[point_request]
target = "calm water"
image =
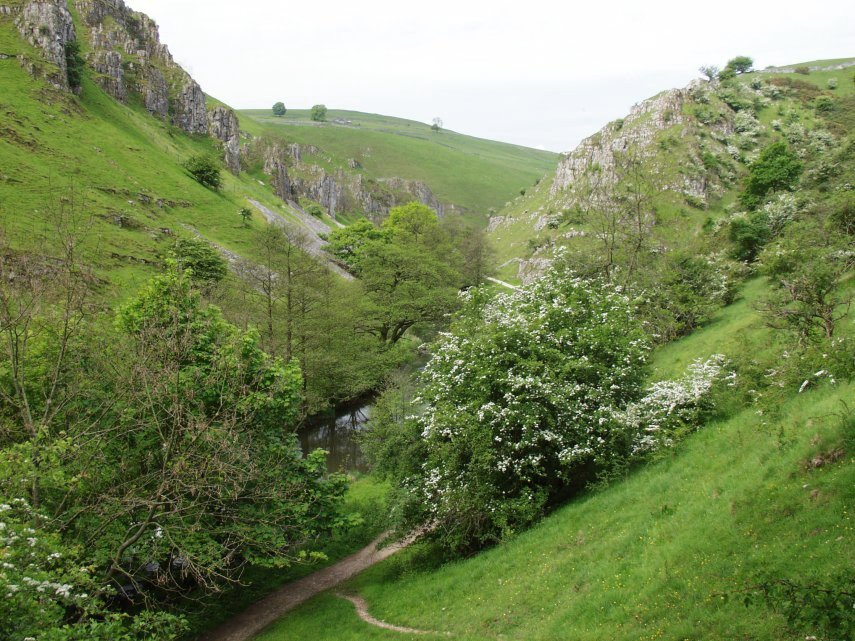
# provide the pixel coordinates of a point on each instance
(335, 434)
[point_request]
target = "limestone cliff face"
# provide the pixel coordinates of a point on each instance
(47, 25)
(127, 59)
(640, 133)
(224, 126)
(293, 175)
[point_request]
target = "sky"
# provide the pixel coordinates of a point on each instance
(540, 73)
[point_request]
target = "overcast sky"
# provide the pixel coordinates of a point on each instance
(542, 73)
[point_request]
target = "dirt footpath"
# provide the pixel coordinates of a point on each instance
(259, 615)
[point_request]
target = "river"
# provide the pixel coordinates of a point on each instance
(336, 434)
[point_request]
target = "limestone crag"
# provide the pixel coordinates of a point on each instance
(294, 176)
(224, 126)
(276, 167)
(128, 57)
(640, 134)
(48, 25)
(189, 111)
(111, 75)
(155, 91)
(637, 131)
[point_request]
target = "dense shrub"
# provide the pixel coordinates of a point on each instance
(518, 404)
(205, 263)
(74, 64)
(776, 169)
(205, 170)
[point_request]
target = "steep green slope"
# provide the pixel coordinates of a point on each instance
(114, 169)
(752, 498)
(469, 172)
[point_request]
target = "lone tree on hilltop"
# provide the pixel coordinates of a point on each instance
(740, 64)
(437, 125)
(319, 113)
(279, 109)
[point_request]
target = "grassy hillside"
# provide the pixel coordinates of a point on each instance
(116, 169)
(649, 557)
(470, 172)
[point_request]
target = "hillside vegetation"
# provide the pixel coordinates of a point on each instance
(651, 438)
(669, 552)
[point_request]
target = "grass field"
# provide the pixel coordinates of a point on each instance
(845, 77)
(471, 172)
(647, 557)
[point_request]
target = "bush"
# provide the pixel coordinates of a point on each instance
(749, 234)
(205, 170)
(740, 64)
(315, 210)
(518, 406)
(319, 113)
(805, 71)
(824, 104)
(205, 263)
(832, 83)
(776, 169)
(279, 109)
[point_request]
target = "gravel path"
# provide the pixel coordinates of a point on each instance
(258, 616)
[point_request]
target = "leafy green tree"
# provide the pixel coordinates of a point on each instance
(279, 109)
(245, 215)
(740, 64)
(348, 244)
(205, 170)
(776, 169)
(749, 234)
(710, 72)
(204, 262)
(410, 275)
(807, 299)
(319, 113)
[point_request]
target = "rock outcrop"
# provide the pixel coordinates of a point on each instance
(276, 167)
(640, 134)
(224, 126)
(128, 57)
(48, 25)
(294, 176)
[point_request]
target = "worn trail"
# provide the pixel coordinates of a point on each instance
(261, 614)
(362, 612)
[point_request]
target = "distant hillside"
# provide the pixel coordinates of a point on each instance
(464, 172)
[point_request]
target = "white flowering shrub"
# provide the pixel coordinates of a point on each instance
(670, 408)
(519, 403)
(781, 211)
(746, 123)
(46, 594)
